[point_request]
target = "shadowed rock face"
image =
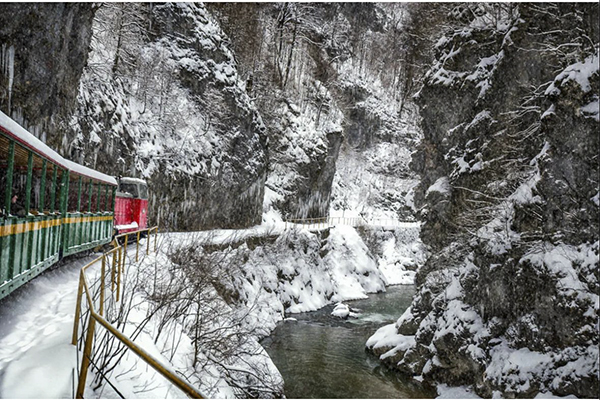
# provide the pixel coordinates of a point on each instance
(44, 49)
(233, 197)
(514, 229)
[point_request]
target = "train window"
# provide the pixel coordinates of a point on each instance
(3, 172)
(19, 189)
(73, 205)
(85, 196)
(13, 185)
(92, 199)
(128, 189)
(101, 197)
(36, 187)
(60, 186)
(48, 206)
(109, 195)
(96, 198)
(143, 191)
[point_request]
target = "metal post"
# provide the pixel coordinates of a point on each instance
(85, 362)
(137, 245)
(102, 277)
(147, 244)
(119, 271)
(44, 232)
(77, 310)
(113, 270)
(29, 236)
(125, 246)
(63, 229)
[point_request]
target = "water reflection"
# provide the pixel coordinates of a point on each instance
(321, 356)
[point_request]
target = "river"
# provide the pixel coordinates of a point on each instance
(322, 356)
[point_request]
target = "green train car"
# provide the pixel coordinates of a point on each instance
(50, 207)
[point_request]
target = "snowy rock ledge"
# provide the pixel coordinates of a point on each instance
(388, 344)
(299, 271)
(291, 271)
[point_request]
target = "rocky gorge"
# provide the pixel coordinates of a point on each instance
(509, 197)
(478, 120)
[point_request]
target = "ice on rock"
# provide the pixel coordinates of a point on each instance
(344, 311)
(341, 310)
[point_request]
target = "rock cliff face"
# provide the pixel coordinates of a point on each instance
(509, 195)
(163, 103)
(288, 73)
(44, 48)
(324, 96)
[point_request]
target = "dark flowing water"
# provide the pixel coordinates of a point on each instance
(321, 356)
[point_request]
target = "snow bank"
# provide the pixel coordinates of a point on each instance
(455, 392)
(388, 338)
(442, 185)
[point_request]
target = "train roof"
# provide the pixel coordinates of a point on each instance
(17, 132)
(126, 179)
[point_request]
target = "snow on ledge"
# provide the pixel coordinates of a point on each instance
(388, 336)
(442, 185)
(455, 392)
(580, 72)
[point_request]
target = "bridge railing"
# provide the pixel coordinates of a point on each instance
(98, 300)
(326, 222)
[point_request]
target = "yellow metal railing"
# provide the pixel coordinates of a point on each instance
(113, 262)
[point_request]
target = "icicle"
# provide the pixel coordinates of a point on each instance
(8, 68)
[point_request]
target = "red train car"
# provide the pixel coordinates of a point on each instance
(131, 205)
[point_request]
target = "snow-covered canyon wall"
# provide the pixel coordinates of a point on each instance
(177, 94)
(508, 302)
(327, 86)
(160, 100)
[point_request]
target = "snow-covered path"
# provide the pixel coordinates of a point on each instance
(37, 359)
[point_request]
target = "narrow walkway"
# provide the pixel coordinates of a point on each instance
(36, 355)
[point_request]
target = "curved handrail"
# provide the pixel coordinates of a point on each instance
(116, 257)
